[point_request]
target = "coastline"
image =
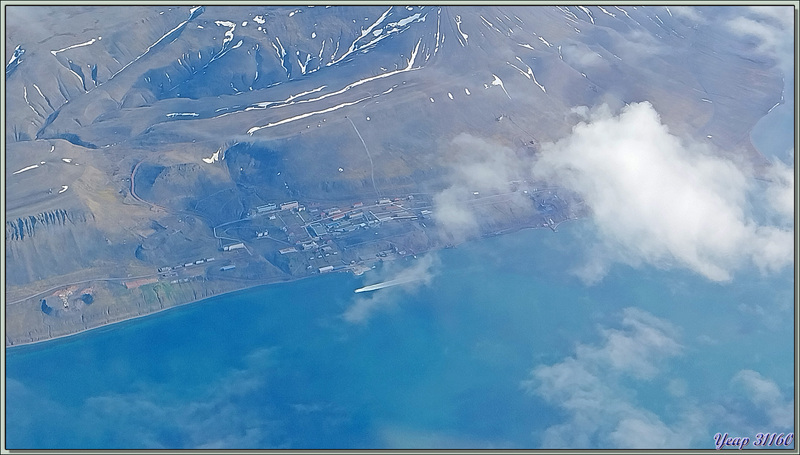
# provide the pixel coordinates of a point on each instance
(139, 316)
(10, 347)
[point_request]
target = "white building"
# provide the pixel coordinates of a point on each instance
(235, 246)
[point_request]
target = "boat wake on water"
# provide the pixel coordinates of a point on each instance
(386, 284)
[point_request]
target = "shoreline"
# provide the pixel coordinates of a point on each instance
(246, 288)
(132, 318)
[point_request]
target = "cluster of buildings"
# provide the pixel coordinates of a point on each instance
(273, 207)
(188, 264)
(180, 280)
(309, 235)
(336, 221)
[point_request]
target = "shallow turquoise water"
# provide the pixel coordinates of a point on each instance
(773, 134)
(443, 366)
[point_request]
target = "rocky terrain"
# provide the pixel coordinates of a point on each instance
(144, 142)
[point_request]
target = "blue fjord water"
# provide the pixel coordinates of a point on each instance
(443, 366)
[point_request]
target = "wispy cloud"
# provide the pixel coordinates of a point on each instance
(600, 409)
(773, 29)
(408, 279)
(688, 12)
(24, 408)
(216, 418)
(655, 198)
(579, 55)
(780, 191)
(396, 436)
(476, 165)
(596, 389)
(658, 199)
(156, 416)
(765, 395)
(455, 220)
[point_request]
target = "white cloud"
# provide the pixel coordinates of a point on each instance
(767, 397)
(687, 12)
(452, 214)
(476, 165)
(580, 56)
(780, 191)
(409, 279)
(658, 199)
(751, 27)
(780, 16)
(773, 29)
(640, 46)
(643, 430)
(396, 436)
(26, 405)
(677, 387)
(634, 351)
(215, 418)
(596, 390)
(600, 411)
(364, 306)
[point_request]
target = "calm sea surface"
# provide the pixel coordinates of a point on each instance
(439, 366)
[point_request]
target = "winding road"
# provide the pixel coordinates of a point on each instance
(133, 190)
(371, 164)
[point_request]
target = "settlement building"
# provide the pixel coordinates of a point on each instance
(289, 205)
(266, 208)
(235, 246)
